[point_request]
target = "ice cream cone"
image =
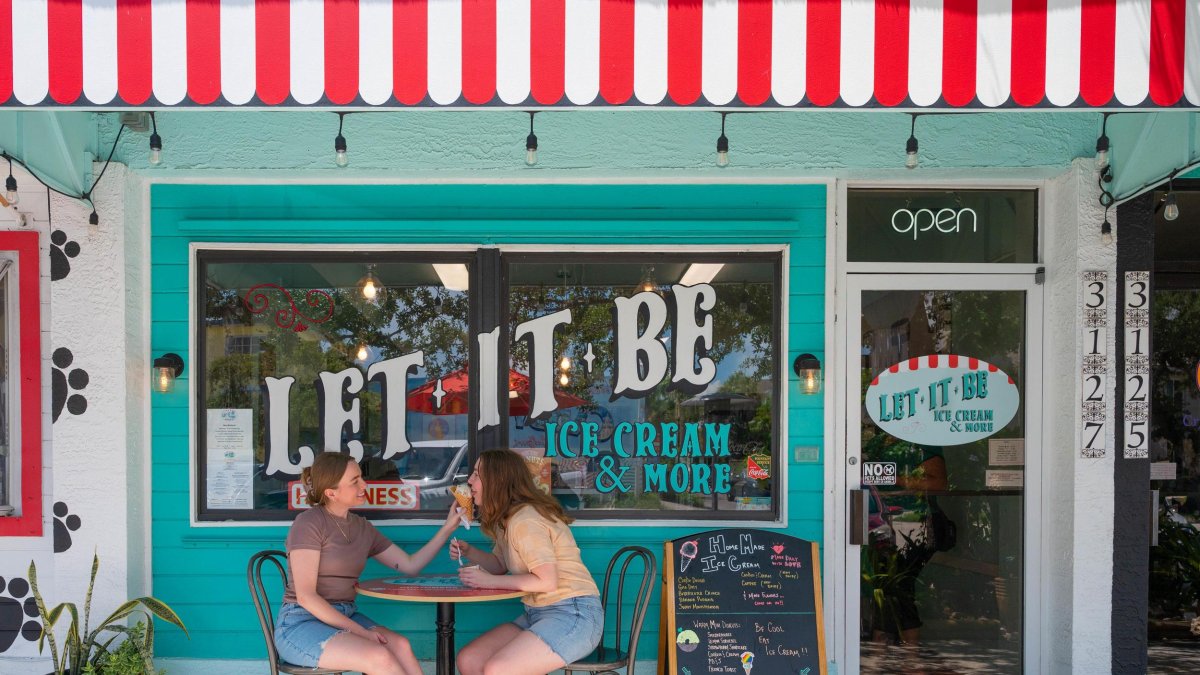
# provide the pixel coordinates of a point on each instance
(466, 503)
(747, 667)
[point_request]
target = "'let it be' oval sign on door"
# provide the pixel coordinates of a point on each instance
(942, 400)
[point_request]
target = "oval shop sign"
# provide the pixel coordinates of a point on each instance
(942, 400)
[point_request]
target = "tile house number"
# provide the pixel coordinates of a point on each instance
(1094, 339)
(1137, 365)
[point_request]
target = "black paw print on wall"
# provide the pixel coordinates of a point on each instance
(60, 251)
(64, 525)
(63, 383)
(14, 613)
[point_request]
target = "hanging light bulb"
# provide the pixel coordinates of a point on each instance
(648, 284)
(911, 149)
(1106, 235)
(564, 380)
(722, 146)
(362, 353)
(339, 144)
(1102, 145)
(155, 143)
(10, 186)
(370, 286)
(565, 363)
(1170, 206)
(94, 219)
(531, 143)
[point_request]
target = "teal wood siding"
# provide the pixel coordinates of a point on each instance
(201, 572)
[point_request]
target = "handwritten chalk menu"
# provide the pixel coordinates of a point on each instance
(742, 601)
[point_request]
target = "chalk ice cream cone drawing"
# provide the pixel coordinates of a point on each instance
(747, 661)
(466, 503)
(687, 553)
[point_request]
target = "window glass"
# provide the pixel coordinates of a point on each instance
(356, 355)
(948, 226)
(664, 381)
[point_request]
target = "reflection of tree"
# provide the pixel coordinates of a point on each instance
(1176, 350)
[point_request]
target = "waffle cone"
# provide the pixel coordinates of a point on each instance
(462, 495)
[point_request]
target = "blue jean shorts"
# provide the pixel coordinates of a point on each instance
(571, 627)
(300, 637)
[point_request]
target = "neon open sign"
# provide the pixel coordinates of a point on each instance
(946, 221)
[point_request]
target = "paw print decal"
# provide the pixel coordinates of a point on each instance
(64, 525)
(16, 614)
(63, 383)
(61, 250)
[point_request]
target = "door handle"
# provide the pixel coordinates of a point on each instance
(1154, 517)
(858, 516)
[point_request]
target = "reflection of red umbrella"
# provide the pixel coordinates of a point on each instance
(455, 400)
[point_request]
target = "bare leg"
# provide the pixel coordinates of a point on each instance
(525, 654)
(475, 655)
(346, 651)
(400, 647)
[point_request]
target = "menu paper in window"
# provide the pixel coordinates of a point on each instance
(230, 461)
(1006, 451)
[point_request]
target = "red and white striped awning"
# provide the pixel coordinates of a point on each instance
(533, 53)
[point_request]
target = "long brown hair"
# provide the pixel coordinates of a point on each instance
(324, 474)
(508, 486)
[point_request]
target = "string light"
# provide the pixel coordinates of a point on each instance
(531, 143)
(155, 142)
(339, 144)
(565, 363)
(10, 186)
(722, 145)
(1106, 235)
(1170, 205)
(911, 148)
(362, 353)
(94, 218)
(1102, 145)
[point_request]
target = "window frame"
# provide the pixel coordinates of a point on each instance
(25, 334)
(488, 308)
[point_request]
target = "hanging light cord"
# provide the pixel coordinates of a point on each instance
(87, 195)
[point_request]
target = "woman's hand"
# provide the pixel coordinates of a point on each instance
(460, 549)
(372, 635)
(474, 577)
(453, 517)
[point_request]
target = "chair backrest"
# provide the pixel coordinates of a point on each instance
(262, 602)
(620, 564)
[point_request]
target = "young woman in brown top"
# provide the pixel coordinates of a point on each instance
(328, 548)
(535, 552)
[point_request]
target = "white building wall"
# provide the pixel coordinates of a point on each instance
(84, 432)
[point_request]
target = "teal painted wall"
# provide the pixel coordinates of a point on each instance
(201, 571)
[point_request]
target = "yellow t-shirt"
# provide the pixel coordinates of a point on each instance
(530, 540)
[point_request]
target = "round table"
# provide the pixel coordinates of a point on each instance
(446, 591)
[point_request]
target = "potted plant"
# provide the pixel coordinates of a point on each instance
(85, 650)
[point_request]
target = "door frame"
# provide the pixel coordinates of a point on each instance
(846, 559)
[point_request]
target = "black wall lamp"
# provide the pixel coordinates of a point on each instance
(808, 369)
(166, 368)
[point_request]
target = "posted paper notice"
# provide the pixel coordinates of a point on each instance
(230, 460)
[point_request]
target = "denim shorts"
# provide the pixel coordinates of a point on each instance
(571, 627)
(300, 637)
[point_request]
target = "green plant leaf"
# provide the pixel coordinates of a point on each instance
(163, 611)
(87, 604)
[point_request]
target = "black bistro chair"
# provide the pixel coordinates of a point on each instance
(266, 618)
(609, 656)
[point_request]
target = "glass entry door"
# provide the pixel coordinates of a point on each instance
(939, 374)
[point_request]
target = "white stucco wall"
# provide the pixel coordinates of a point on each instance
(84, 458)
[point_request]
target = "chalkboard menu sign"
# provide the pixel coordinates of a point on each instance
(742, 601)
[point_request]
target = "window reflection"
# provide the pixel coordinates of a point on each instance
(740, 396)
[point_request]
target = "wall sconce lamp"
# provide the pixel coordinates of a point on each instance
(808, 369)
(166, 368)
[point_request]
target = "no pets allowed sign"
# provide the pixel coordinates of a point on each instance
(878, 473)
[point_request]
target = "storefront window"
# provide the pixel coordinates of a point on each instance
(331, 354)
(652, 414)
(636, 384)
